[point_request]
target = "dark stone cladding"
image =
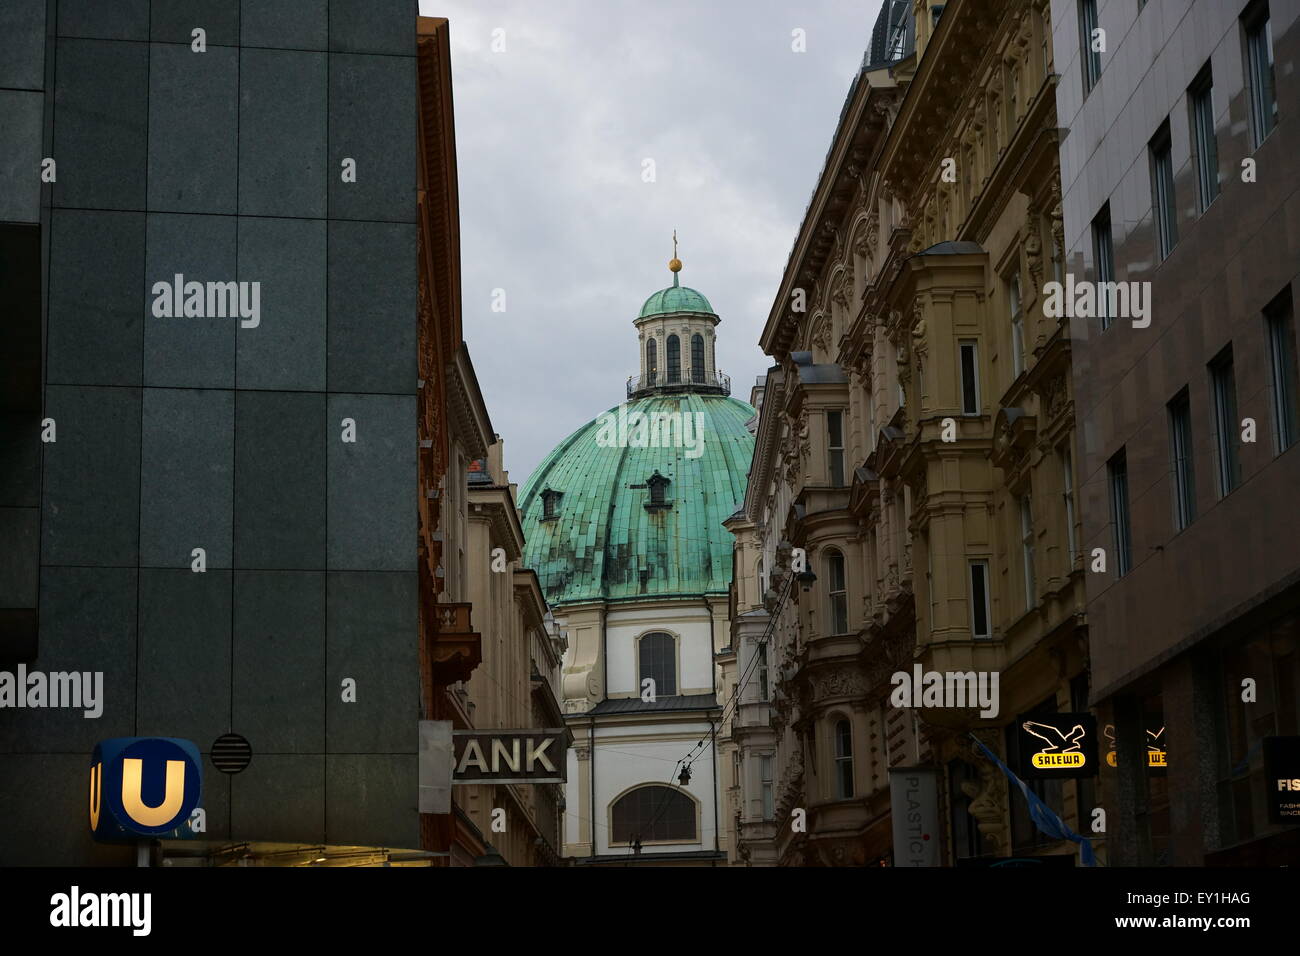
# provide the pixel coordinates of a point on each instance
(1156, 633)
(183, 433)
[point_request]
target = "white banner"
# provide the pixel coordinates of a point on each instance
(914, 807)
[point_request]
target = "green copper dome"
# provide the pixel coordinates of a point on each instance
(608, 539)
(675, 298)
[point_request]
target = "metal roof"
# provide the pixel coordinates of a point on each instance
(635, 705)
(604, 543)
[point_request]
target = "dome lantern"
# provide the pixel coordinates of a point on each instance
(677, 341)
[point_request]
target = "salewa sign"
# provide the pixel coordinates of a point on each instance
(1058, 745)
(509, 756)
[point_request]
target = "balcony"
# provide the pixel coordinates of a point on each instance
(455, 649)
(714, 383)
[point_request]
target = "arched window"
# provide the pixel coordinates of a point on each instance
(697, 358)
(657, 654)
(837, 617)
(674, 360)
(655, 813)
(843, 760)
(651, 361)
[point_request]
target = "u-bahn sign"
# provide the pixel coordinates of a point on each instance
(143, 786)
(509, 756)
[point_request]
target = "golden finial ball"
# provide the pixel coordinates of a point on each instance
(675, 265)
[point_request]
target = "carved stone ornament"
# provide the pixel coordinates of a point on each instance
(822, 335)
(1033, 247)
(838, 683)
(1055, 393)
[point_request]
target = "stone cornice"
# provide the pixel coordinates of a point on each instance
(467, 412)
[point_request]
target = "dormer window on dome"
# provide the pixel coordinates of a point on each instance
(658, 486)
(551, 504)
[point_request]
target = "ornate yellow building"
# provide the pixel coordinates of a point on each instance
(916, 441)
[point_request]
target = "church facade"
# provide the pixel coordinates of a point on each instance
(623, 523)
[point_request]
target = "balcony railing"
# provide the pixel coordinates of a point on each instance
(682, 381)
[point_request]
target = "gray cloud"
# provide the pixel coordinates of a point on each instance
(551, 135)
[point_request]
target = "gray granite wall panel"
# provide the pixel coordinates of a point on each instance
(96, 303)
(372, 483)
(287, 349)
(186, 481)
(193, 129)
(279, 480)
(100, 96)
(282, 133)
(92, 477)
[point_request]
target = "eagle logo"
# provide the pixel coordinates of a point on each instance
(1055, 740)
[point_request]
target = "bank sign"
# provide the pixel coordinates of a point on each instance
(143, 786)
(509, 756)
(1058, 745)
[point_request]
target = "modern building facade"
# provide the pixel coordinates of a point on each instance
(916, 443)
(214, 507)
(1180, 172)
(623, 522)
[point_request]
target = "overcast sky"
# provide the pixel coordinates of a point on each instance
(551, 136)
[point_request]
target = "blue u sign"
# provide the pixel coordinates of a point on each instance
(143, 786)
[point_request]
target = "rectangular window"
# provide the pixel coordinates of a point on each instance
(1259, 72)
(871, 414)
(839, 594)
(762, 671)
(1180, 454)
(1089, 58)
(843, 760)
(1163, 207)
(1282, 365)
(1067, 482)
(1223, 387)
(979, 599)
(835, 443)
(970, 386)
(1017, 327)
(1204, 148)
(1103, 252)
(765, 771)
(1027, 549)
(1117, 475)
(929, 583)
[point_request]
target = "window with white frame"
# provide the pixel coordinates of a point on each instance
(1067, 483)
(1017, 326)
(1027, 549)
(765, 786)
